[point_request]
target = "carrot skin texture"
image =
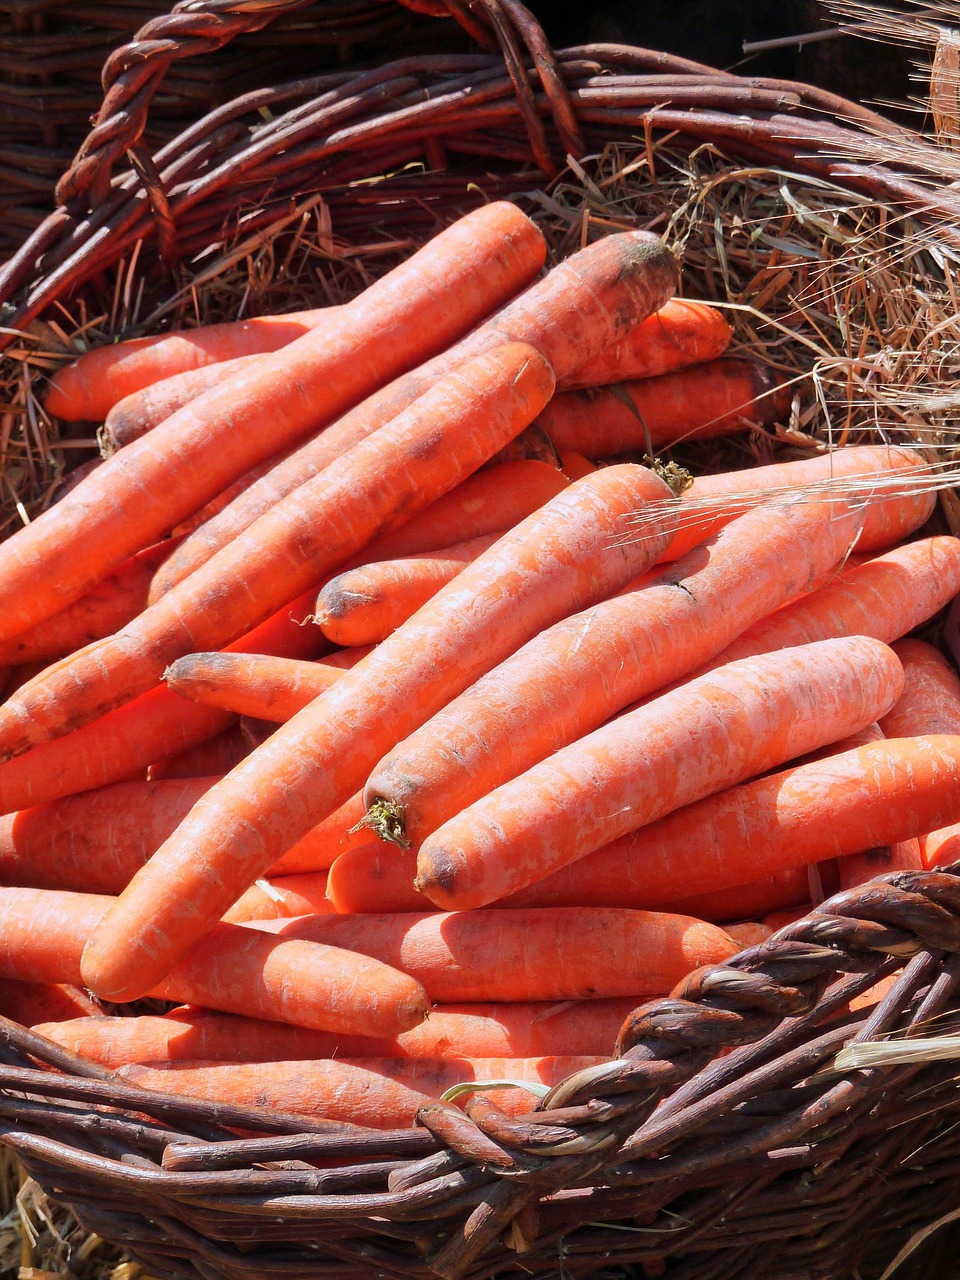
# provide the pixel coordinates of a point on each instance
(565, 316)
(282, 898)
(566, 554)
(56, 1002)
(376, 877)
(870, 796)
(699, 402)
(680, 333)
(89, 387)
(327, 840)
(442, 438)
(484, 956)
(522, 1030)
(167, 474)
(740, 720)
(216, 755)
(378, 1092)
(257, 685)
(622, 649)
(788, 889)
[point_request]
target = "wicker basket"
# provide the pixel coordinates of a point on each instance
(677, 1158)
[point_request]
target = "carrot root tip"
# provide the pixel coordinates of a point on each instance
(677, 478)
(385, 819)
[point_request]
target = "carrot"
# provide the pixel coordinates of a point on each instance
(681, 333)
(568, 316)
(233, 968)
(92, 384)
(575, 465)
(145, 408)
(417, 309)
(490, 501)
(217, 754)
(346, 659)
(571, 551)
(740, 720)
(376, 877)
(125, 742)
(539, 954)
(714, 500)
(30, 1002)
(870, 796)
(250, 684)
(363, 605)
(941, 847)
(784, 890)
(281, 899)
(859, 868)
(380, 1092)
(750, 933)
(583, 1027)
(444, 436)
(930, 702)
(104, 609)
(778, 920)
(619, 651)
(700, 402)
(332, 836)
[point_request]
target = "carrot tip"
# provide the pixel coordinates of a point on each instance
(385, 819)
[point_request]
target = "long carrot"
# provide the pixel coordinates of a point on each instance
(568, 553)
(363, 605)
(92, 384)
(250, 684)
(122, 744)
(417, 309)
(620, 650)
(870, 796)
(57, 1002)
(740, 720)
(332, 836)
(581, 1027)
(377, 877)
(681, 333)
(696, 403)
(443, 437)
(540, 954)
(567, 316)
(490, 501)
(785, 890)
(233, 968)
(217, 754)
(379, 1092)
(281, 899)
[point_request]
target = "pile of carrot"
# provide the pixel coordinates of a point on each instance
(383, 704)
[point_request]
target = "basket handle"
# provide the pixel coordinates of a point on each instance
(133, 74)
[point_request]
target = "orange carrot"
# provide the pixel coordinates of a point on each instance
(217, 754)
(379, 1092)
(575, 465)
(583, 1027)
(619, 650)
(785, 890)
(56, 1002)
(250, 684)
(697, 403)
(233, 968)
(859, 868)
(714, 500)
(740, 720)
(540, 954)
(104, 609)
(571, 551)
(930, 702)
(417, 309)
(442, 438)
(92, 384)
(568, 316)
(282, 898)
(376, 877)
(870, 796)
(142, 410)
(332, 836)
(681, 333)
(363, 605)
(777, 920)
(750, 933)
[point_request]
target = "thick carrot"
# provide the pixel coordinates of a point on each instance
(750, 933)
(125, 742)
(382, 1093)
(363, 605)
(901, 855)
(217, 754)
(582, 1027)
(540, 954)
(871, 796)
(233, 968)
(332, 836)
(92, 384)
(417, 309)
(738, 721)
(697, 403)
(681, 333)
(56, 1002)
(785, 890)
(107, 607)
(488, 502)
(250, 684)
(567, 316)
(441, 439)
(282, 899)
(714, 500)
(620, 650)
(575, 465)
(376, 877)
(571, 551)
(142, 410)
